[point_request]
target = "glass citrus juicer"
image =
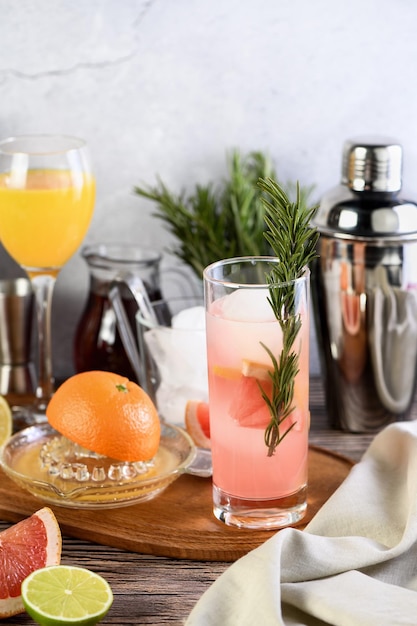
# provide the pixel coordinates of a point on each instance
(60, 472)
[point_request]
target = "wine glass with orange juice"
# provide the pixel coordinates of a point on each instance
(47, 194)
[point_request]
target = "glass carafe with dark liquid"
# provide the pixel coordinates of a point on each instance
(97, 344)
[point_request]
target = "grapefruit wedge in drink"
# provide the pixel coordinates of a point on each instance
(197, 422)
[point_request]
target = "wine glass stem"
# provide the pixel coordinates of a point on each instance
(43, 285)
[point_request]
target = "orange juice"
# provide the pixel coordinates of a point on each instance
(44, 220)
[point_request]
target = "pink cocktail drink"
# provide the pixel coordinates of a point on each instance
(250, 486)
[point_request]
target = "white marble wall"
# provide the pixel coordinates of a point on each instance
(168, 86)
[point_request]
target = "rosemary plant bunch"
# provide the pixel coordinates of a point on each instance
(218, 221)
(293, 241)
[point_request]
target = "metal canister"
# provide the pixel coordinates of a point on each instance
(364, 288)
(17, 371)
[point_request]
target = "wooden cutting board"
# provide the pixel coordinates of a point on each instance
(179, 522)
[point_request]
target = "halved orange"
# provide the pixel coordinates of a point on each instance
(197, 422)
(31, 544)
(108, 414)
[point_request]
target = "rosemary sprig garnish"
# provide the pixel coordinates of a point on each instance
(293, 240)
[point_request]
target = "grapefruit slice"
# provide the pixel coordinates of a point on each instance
(31, 544)
(248, 406)
(197, 423)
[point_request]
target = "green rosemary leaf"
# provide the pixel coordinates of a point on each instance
(293, 241)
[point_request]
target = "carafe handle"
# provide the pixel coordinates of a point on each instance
(136, 287)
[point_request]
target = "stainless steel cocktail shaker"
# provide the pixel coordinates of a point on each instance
(364, 287)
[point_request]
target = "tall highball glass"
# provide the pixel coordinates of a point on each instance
(47, 194)
(256, 485)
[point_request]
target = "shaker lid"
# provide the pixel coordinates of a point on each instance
(372, 164)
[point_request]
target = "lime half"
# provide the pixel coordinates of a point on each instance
(64, 594)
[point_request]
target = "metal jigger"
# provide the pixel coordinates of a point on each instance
(17, 371)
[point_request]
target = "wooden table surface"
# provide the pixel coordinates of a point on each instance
(158, 590)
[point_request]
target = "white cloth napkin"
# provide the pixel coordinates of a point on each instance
(355, 564)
